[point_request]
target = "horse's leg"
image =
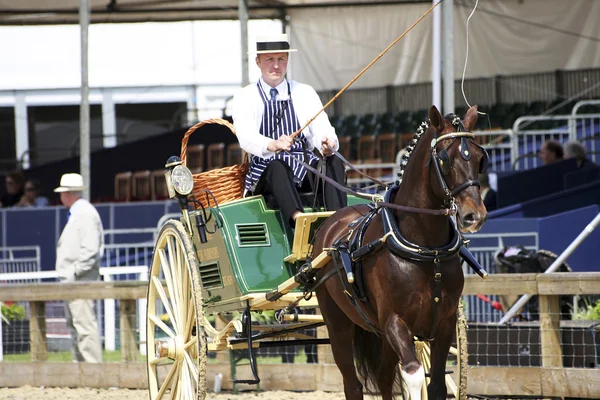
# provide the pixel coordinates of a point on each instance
(401, 340)
(439, 354)
(387, 373)
(341, 334)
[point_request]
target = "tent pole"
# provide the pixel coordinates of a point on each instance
(448, 52)
(243, 17)
(436, 78)
(84, 110)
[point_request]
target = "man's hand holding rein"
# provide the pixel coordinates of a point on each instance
(284, 143)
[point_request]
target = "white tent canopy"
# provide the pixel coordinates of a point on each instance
(337, 38)
(505, 38)
(17, 12)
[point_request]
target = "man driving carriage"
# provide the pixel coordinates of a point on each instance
(265, 114)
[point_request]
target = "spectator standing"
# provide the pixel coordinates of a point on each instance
(78, 255)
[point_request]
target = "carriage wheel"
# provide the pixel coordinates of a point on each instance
(456, 382)
(175, 334)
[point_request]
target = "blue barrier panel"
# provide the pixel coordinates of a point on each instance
(42, 226)
(558, 231)
(533, 183)
(553, 233)
(582, 176)
(580, 196)
(34, 227)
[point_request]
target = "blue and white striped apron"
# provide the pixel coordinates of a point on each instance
(269, 128)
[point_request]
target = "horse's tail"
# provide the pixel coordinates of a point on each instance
(368, 352)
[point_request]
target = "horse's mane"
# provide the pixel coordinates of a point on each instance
(411, 146)
(416, 137)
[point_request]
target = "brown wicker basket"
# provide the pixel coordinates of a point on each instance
(226, 184)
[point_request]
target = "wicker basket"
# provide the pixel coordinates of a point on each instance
(226, 184)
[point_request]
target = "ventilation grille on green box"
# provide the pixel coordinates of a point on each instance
(252, 235)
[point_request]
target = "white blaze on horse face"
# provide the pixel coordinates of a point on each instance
(414, 382)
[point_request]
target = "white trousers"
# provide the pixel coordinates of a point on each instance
(81, 320)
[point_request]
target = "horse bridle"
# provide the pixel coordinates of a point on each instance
(441, 161)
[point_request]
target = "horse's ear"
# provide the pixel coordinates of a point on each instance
(436, 119)
(470, 118)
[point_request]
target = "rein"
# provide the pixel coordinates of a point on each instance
(377, 199)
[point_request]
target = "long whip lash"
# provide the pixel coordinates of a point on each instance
(293, 135)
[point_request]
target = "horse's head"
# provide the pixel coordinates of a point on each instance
(455, 162)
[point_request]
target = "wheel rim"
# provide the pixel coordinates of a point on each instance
(175, 338)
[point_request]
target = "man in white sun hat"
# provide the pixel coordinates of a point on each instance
(265, 114)
(78, 255)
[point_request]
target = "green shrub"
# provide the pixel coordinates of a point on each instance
(591, 312)
(13, 312)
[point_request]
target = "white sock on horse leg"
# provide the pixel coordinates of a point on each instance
(414, 382)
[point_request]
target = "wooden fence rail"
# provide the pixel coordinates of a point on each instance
(549, 380)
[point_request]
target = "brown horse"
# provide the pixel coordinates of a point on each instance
(413, 261)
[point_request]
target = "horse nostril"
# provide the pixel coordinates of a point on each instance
(471, 218)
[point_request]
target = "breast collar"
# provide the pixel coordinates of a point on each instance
(401, 247)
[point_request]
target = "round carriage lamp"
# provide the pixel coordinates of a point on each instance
(179, 178)
(183, 181)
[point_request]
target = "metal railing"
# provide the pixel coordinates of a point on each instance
(20, 259)
(485, 248)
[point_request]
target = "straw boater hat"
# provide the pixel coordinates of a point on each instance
(272, 44)
(70, 183)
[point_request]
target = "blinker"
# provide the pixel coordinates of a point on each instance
(464, 149)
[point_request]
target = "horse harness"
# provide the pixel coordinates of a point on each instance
(442, 159)
(348, 250)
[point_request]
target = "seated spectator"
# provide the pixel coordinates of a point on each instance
(488, 194)
(574, 149)
(32, 197)
(14, 189)
(551, 152)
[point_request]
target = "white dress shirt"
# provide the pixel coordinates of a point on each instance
(248, 108)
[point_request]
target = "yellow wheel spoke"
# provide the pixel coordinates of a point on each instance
(162, 326)
(175, 272)
(452, 386)
(170, 288)
(167, 380)
(169, 278)
(165, 300)
(175, 390)
(192, 342)
(190, 363)
(157, 361)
